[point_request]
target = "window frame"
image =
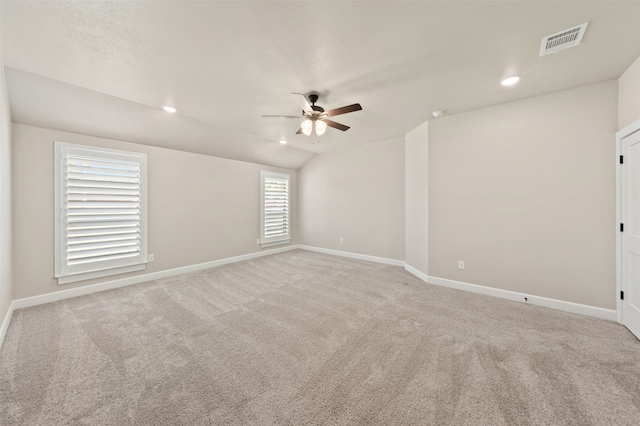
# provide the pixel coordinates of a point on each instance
(279, 239)
(65, 273)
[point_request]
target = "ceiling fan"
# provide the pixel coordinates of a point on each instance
(315, 116)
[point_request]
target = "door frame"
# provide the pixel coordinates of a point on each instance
(620, 135)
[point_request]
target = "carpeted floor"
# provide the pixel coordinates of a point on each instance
(302, 338)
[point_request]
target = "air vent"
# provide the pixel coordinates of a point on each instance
(563, 40)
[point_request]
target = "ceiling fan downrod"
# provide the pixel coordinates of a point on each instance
(314, 98)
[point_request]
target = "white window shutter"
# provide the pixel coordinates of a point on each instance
(275, 216)
(101, 212)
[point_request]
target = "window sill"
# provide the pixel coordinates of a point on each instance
(99, 274)
(274, 243)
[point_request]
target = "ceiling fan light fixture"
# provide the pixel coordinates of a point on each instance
(307, 127)
(321, 127)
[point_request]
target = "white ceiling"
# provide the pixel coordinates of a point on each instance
(106, 68)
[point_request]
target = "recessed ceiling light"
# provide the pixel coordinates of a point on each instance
(437, 114)
(283, 142)
(169, 109)
(510, 81)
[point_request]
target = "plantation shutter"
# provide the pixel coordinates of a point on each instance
(101, 211)
(275, 225)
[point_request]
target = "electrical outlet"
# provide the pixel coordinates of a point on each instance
(460, 264)
(341, 240)
(152, 257)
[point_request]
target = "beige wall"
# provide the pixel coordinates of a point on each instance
(524, 192)
(200, 208)
(356, 194)
(5, 199)
(417, 198)
(629, 95)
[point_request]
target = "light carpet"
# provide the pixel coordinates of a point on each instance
(303, 338)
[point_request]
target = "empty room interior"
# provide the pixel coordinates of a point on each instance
(320, 213)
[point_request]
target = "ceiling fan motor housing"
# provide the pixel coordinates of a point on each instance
(314, 98)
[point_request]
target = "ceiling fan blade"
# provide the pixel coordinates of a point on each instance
(283, 116)
(336, 125)
(303, 102)
(343, 110)
(299, 132)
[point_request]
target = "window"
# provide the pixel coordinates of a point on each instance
(274, 220)
(100, 212)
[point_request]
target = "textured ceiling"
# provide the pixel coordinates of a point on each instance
(106, 68)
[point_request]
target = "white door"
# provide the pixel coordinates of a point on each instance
(630, 185)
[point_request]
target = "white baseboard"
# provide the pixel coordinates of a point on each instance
(576, 308)
(352, 255)
(123, 282)
(424, 277)
(606, 314)
(5, 322)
